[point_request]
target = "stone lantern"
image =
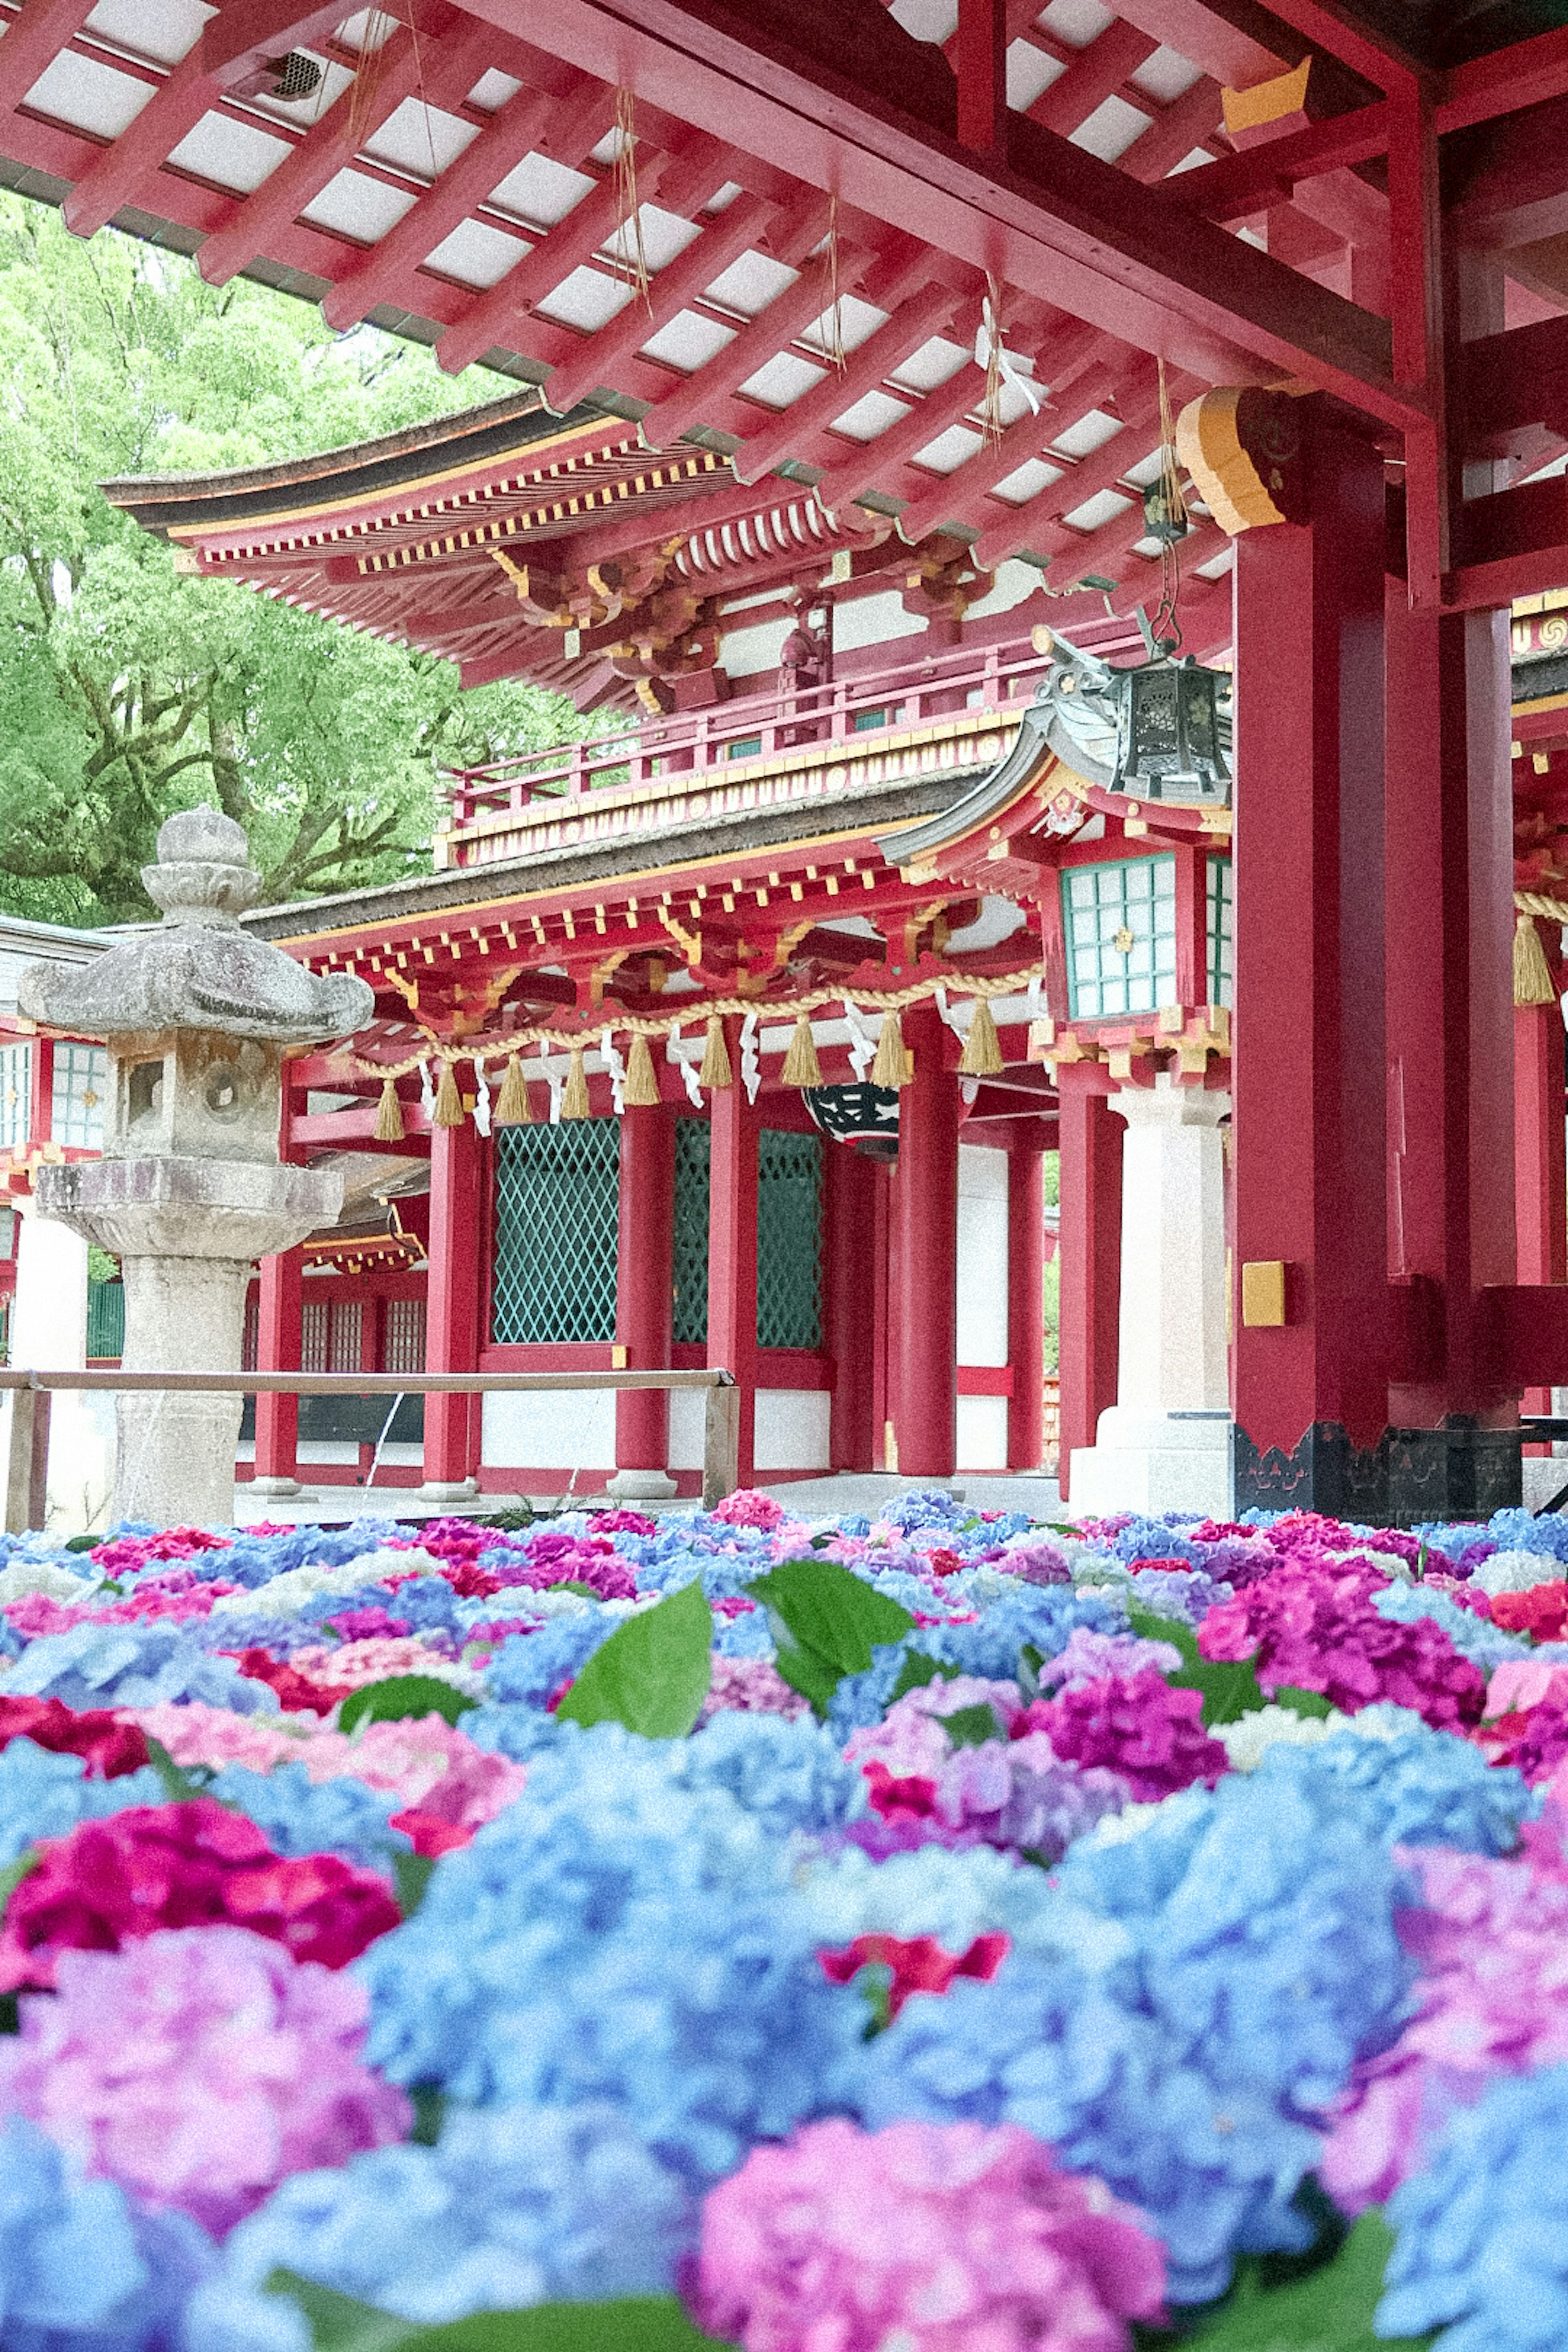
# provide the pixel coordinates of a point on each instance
(196, 1017)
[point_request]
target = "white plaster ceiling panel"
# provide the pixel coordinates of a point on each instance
(1190, 162)
(783, 380)
(1166, 75)
(1076, 22)
(1027, 481)
(1091, 433)
(477, 255)
(721, 199)
(750, 282)
(950, 449)
(159, 29)
(1111, 130)
(689, 340)
(540, 191)
(235, 155)
(927, 20)
(588, 299)
(1030, 73)
(422, 139)
(856, 320)
(368, 28)
(1146, 470)
(870, 416)
(493, 90)
(1013, 402)
(609, 148)
(1219, 565)
(89, 96)
(1104, 507)
(664, 235)
(932, 365)
(355, 205)
(1150, 547)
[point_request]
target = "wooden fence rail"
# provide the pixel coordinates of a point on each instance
(28, 1439)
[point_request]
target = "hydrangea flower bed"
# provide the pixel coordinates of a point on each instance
(939, 1934)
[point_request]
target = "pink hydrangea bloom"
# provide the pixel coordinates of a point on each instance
(1314, 1628)
(755, 1686)
(1491, 1944)
(124, 1554)
(930, 2238)
(193, 1733)
(1137, 1725)
(1088, 1657)
(748, 1509)
(424, 1761)
(200, 2067)
(381, 1659)
(910, 1739)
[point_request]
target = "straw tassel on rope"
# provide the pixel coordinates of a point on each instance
(890, 1067)
(448, 1110)
(512, 1107)
(801, 1066)
(715, 1071)
(389, 1114)
(641, 1090)
(982, 1055)
(1531, 972)
(574, 1099)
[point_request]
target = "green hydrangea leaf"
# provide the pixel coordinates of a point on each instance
(400, 1697)
(643, 2323)
(652, 1673)
(825, 1621)
(1331, 2310)
(971, 1726)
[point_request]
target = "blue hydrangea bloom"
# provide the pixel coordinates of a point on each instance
(532, 1666)
(1155, 1538)
(515, 2206)
(43, 1795)
(327, 1606)
(517, 1732)
(282, 1635)
(1180, 2018)
(620, 1937)
(302, 1817)
(744, 1637)
(1477, 1638)
(134, 1665)
(426, 1602)
(788, 1775)
(1419, 1787)
(80, 2271)
(923, 1506)
(1482, 2231)
(1035, 1616)
(1518, 1530)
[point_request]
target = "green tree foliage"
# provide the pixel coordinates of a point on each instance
(127, 692)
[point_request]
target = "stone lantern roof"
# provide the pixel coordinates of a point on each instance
(197, 971)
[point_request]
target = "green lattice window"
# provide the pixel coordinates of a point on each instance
(789, 1236)
(691, 1232)
(1120, 936)
(556, 1205)
(1221, 931)
(789, 1240)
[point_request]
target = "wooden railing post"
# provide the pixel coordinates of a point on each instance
(720, 1443)
(27, 1461)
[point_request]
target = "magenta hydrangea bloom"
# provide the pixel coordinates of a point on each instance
(929, 2237)
(1314, 1627)
(1139, 1727)
(198, 2068)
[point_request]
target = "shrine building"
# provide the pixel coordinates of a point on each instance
(1039, 505)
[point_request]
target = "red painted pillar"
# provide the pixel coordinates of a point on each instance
(278, 1351)
(849, 1317)
(1311, 1392)
(1089, 1249)
(732, 1246)
(453, 1314)
(1451, 1053)
(1026, 1307)
(645, 1304)
(1541, 1177)
(925, 1305)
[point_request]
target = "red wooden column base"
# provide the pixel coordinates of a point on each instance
(453, 1318)
(278, 1351)
(925, 1303)
(644, 1276)
(1090, 1251)
(1026, 1307)
(732, 1246)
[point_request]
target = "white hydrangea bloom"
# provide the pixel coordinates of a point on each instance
(1516, 1571)
(45, 1576)
(1247, 1741)
(286, 1595)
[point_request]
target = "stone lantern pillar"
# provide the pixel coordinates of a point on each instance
(196, 1017)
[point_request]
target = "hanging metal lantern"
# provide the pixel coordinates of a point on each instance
(1171, 740)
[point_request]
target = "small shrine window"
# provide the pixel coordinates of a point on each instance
(80, 1089)
(1121, 920)
(15, 1091)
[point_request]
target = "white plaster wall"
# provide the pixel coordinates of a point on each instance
(982, 1433)
(743, 652)
(49, 1332)
(550, 1429)
(793, 1430)
(982, 1257)
(687, 1409)
(875, 621)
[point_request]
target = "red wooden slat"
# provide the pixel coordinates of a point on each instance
(954, 497)
(1095, 73)
(796, 432)
(787, 316)
(33, 40)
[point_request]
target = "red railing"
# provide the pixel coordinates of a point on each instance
(854, 710)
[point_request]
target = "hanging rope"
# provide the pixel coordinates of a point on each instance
(833, 310)
(632, 258)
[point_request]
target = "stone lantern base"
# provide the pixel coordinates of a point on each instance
(188, 1233)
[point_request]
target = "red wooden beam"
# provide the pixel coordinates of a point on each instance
(1522, 74)
(953, 499)
(1516, 192)
(1514, 379)
(1189, 122)
(1238, 45)
(1096, 71)
(1060, 223)
(978, 55)
(1267, 174)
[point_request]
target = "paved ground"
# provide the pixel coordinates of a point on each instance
(813, 1498)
